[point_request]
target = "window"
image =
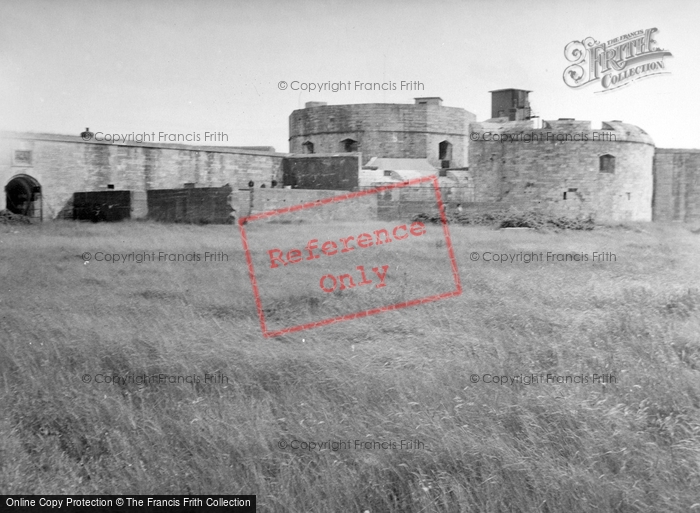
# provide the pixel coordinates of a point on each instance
(565, 195)
(308, 147)
(445, 150)
(443, 172)
(349, 145)
(387, 172)
(110, 186)
(23, 158)
(607, 164)
(445, 154)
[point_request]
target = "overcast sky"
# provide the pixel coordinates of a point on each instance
(213, 66)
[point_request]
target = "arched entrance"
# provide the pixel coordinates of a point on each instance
(23, 196)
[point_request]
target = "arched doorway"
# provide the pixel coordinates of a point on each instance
(23, 196)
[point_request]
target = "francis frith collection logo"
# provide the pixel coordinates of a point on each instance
(616, 63)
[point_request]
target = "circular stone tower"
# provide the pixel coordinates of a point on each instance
(424, 130)
(564, 166)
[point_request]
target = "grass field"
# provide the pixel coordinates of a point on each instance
(632, 445)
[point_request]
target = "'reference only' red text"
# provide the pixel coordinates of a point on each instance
(330, 248)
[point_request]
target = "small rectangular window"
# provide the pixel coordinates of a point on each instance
(607, 164)
(23, 158)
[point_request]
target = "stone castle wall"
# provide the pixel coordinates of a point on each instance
(63, 165)
(386, 130)
(559, 167)
(676, 185)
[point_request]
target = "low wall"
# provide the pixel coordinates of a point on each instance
(206, 205)
(676, 185)
(322, 172)
(107, 206)
(256, 201)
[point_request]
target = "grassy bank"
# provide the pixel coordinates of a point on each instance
(632, 444)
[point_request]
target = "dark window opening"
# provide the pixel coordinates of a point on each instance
(445, 154)
(387, 172)
(110, 186)
(607, 164)
(564, 195)
(308, 147)
(445, 150)
(349, 145)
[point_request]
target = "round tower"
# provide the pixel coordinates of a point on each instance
(425, 130)
(565, 166)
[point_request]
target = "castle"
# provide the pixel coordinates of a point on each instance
(614, 172)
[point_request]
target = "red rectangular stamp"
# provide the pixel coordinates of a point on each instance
(319, 272)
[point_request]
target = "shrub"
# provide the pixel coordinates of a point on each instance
(535, 219)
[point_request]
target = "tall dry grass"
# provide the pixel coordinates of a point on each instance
(628, 446)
